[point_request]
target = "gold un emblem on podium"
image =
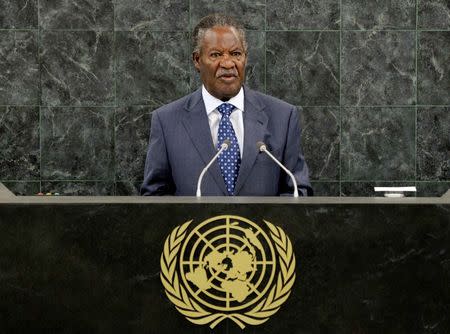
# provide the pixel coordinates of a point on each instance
(227, 267)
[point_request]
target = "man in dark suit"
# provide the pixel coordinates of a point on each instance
(186, 133)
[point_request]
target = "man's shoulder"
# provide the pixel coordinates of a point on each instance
(269, 101)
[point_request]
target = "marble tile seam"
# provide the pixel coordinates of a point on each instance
(302, 30)
(386, 106)
(153, 30)
(382, 181)
(434, 30)
(263, 29)
(416, 88)
(34, 29)
(255, 30)
(105, 30)
(340, 98)
(20, 105)
(82, 106)
(394, 30)
(265, 47)
(39, 55)
(65, 180)
(139, 180)
(265, 15)
(190, 13)
(356, 30)
(247, 30)
(114, 120)
(300, 105)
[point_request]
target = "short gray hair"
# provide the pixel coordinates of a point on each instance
(216, 20)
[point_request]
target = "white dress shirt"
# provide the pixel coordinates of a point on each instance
(236, 117)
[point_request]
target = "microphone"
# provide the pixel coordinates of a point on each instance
(223, 147)
(263, 148)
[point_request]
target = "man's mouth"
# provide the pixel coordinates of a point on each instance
(228, 77)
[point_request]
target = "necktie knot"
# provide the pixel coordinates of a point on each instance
(226, 109)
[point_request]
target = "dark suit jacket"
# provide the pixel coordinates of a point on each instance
(181, 145)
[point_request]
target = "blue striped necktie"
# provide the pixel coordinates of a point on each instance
(229, 160)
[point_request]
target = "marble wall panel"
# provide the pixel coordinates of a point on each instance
(23, 188)
(128, 57)
(77, 68)
(152, 67)
(378, 144)
(380, 14)
(84, 14)
(19, 69)
(152, 15)
(294, 14)
(378, 68)
(434, 14)
(77, 143)
(303, 67)
(327, 189)
(18, 14)
(432, 189)
(434, 67)
(127, 188)
(132, 129)
(366, 189)
(320, 141)
(19, 143)
(250, 13)
(256, 63)
(433, 143)
(78, 188)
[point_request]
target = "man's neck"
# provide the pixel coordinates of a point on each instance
(212, 102)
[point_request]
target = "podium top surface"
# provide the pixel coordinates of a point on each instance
(71, 200)
(7, 197)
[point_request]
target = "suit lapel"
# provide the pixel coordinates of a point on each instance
(196, 124)
(255, 127)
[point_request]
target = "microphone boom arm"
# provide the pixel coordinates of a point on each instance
(223, 147)
(263, 148)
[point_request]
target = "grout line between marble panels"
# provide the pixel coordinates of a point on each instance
(340, 97)
(303, 106)
(115, 97)
(39, 93)
(265, 48)
(416, 90)
(313, 180)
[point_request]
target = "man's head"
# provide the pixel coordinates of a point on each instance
(220, 55)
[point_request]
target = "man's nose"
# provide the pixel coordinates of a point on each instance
(226, 61)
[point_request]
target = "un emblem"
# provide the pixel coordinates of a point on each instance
(227, 267)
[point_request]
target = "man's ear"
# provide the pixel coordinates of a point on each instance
(196, 60)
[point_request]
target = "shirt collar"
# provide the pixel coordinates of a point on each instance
(211, 102)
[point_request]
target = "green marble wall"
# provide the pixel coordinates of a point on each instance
(79, 80)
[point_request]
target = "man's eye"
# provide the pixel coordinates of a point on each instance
(215, 55)
(236, 54)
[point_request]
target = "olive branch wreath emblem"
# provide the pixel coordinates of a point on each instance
(196, 314)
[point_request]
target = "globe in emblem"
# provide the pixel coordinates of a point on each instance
(225, 268)
(227, 263)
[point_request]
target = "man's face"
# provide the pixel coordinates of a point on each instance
(221, 62)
